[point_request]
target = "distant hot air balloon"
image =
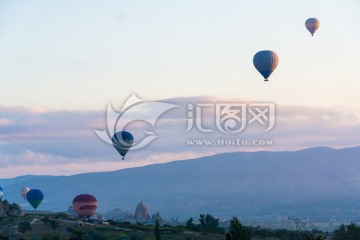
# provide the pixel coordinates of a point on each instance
(34, 197)
(23, 192)
(266, 62)
(84, 205)
(312, 24)
(1, 192)
(122, 141)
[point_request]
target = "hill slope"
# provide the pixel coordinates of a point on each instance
(315, 180)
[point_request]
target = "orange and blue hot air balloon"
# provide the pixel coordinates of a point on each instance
(266, 62)
(35, 197)
(312, 24)
(122, 142)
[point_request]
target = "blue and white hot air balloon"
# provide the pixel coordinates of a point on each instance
(122, 142)
(266, 62)
(1, 192)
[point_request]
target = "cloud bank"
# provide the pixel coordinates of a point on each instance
(40, 141)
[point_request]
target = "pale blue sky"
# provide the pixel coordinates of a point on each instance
(82, 54)
(61, 62)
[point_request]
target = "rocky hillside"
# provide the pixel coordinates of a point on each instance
(7, 209)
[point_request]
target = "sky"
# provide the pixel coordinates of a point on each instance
(63, 62)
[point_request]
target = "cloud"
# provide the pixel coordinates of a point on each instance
(37, 140)
(4, 122)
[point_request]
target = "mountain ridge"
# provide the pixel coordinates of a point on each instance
(238, 183)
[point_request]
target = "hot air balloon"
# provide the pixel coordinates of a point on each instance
(34, 197)
(122, 141)
(23, 192)
(312, 24)
(1, 192)
(84, 205)
(266, 62)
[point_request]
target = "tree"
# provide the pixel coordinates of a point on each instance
(157, 230)
(228, 236)
(95, 235)
(24, 226)
(189, 223)
(75, 233)
(347, 232)
(191, 226)
(314, 237)
(63, 216)
(238, 231)
(45, 220)
(209, 223)
(136, 236)
(54, 224)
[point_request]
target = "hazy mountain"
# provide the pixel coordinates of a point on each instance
(315, 181)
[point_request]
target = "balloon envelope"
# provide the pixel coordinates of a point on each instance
(122, 141)
(85, 205)
(266, 62)
(1, 192)
(34, 197)
(23, 192)
(312, 24)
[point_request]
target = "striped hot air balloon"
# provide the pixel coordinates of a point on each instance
(1, 192)
(312, 24)
(84, 205)
(266, 62)
(23, 192)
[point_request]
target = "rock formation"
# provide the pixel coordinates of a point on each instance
(156, 216)
(141, 213)
(7, 209)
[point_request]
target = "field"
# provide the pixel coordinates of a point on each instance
(73, 229)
